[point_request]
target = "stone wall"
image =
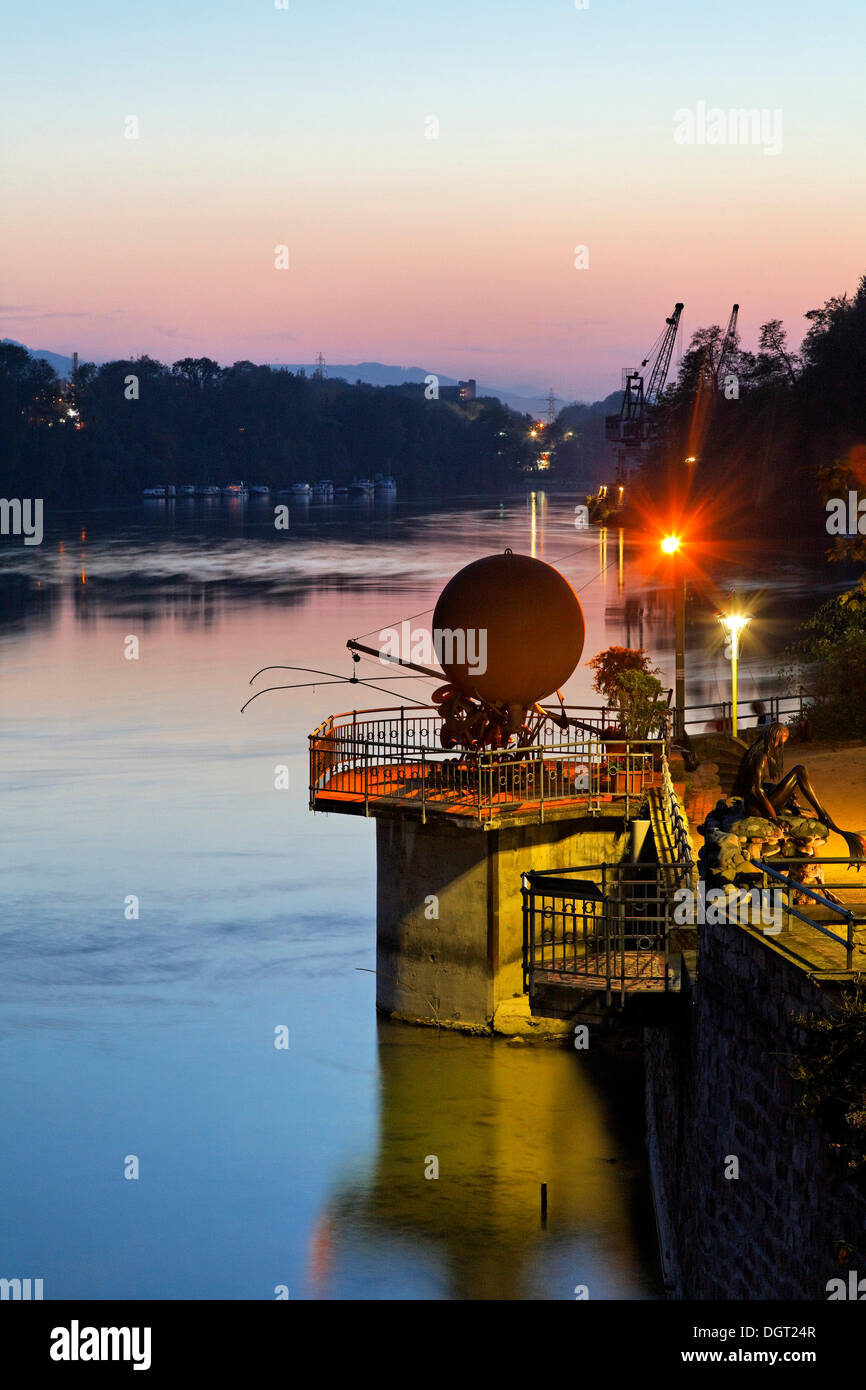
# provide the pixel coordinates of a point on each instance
(719, 1088)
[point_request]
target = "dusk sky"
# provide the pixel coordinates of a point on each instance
(306, 127)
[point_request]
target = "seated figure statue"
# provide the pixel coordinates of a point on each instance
(766, 790)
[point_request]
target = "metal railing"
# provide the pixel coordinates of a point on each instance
(597, 927)
(780, 709)
(677, 821)
(394, 756)
(417, 727)
(791, 888)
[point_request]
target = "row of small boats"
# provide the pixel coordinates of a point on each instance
(324, 491)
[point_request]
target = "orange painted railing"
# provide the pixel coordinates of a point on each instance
(395, 756)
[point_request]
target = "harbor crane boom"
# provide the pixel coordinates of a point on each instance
(728, 344)
(659, 373)
(630, 428)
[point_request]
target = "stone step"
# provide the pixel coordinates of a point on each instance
(725, 751)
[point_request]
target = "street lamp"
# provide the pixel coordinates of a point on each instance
(671, 546)
(733, 623)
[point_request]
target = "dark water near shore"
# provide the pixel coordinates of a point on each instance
(154, 1036)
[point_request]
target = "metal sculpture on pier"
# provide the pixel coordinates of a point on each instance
(533, 630)
(508, 632)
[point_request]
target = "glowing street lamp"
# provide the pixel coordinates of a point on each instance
(733, 623)
(671, 546)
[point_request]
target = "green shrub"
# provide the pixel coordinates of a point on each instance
(831, 1068)
(828, 661)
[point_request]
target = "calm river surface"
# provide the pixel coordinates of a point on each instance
(154, 1037)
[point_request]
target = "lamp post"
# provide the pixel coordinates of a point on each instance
(671, 546)
(733, 623)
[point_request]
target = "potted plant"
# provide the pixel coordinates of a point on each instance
(642, 705)
(643, 708)
(634, 703)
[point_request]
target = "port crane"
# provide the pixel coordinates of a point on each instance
(728, 344)
(630, 429)
(715, 361)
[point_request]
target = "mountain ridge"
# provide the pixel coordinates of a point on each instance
(371, 373)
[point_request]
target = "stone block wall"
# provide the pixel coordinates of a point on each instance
(719, 1089)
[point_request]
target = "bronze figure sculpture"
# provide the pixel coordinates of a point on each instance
(766, 790)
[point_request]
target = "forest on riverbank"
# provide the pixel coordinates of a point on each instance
(132, 424)
(768, 445)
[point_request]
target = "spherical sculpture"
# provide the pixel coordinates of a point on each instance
(519, 619)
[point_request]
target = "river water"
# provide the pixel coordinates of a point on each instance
(166, 909)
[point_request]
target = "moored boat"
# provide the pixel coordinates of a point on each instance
(362, 487)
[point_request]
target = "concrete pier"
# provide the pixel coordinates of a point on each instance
(454, 835)
(449, 923)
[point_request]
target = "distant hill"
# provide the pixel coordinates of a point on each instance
(372, 373)
(62, 365)
(609, 406)
(384, 374)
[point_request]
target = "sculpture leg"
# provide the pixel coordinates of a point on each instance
(856, 843)
(778, 796)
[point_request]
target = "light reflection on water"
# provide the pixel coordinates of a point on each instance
(155, 1036)
(499, 1121)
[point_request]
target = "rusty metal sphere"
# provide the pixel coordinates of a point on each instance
(532, 623)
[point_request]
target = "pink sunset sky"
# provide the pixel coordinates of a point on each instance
(308, 127)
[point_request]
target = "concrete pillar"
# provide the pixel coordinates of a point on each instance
(449, 919)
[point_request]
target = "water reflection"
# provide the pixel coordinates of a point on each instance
(166, 560)
(141, 777)
(500, 1120)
